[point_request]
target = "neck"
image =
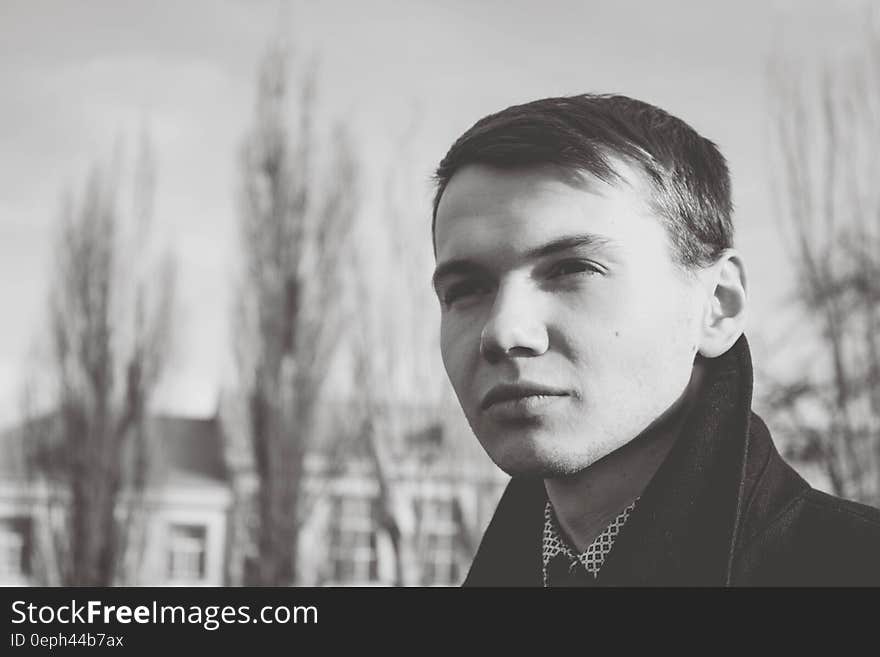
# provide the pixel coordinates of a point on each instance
(614, 481)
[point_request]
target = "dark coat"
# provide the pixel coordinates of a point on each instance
(723, 509)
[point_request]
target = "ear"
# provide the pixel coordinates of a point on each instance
(725, 313)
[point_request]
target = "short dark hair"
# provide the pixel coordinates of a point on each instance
(688, 174)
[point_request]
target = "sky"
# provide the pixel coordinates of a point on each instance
(80, 77)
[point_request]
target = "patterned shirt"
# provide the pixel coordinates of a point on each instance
(552, 542)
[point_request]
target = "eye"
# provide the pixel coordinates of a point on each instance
(464, 290)
(570, 267)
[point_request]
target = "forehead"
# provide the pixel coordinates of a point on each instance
(485, 210)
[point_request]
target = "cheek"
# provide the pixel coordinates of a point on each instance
(641, 330)
(458, 347)
(662, 313)
(660, 344)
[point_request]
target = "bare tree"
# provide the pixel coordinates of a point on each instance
(827, 124)
(397, 372)
(110, 324)
(295, 226)
(389, 334)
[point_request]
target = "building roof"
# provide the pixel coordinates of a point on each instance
(189, 447)
(181, 449)
(193, 451)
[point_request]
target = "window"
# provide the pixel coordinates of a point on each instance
(15, 549)
(353, 556)
(186, 552)
(440, 565)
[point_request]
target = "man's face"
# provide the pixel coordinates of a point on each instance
(566, 327)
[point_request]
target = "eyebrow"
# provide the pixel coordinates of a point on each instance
(458, 267)
(567, 244)
(463, 266)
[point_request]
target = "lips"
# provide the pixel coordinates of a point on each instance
(517, 392)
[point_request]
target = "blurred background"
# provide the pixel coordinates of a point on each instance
(219, 358)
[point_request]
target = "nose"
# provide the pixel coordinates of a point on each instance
(514, 327)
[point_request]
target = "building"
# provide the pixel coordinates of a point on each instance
(195, 513)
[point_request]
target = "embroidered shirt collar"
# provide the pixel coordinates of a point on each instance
(553, 543)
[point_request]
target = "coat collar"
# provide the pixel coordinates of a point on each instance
(685, 528)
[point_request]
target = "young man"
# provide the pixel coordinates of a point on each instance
(592, 327)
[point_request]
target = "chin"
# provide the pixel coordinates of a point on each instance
(533, 457)
(538, 469)
(547, 453)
